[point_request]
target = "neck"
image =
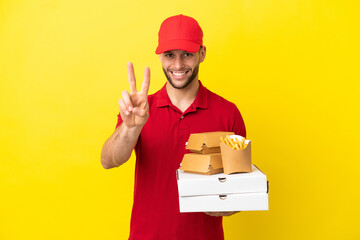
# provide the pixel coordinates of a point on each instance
(183, 98)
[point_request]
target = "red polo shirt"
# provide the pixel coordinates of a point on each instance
(159, 152)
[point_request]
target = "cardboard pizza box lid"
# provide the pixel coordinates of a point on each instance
(196, 184)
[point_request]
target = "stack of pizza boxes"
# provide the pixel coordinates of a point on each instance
(216, 177)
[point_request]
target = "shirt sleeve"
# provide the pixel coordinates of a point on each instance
(119, 121)
(238, 124)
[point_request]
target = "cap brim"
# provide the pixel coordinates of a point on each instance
(177, 45)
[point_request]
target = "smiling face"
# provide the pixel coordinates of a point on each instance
(181, 67)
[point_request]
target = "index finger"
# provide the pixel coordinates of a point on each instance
(131, 77)
(146, 82)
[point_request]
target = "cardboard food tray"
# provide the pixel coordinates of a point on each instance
(236, 161)
(202, 163)
(204, 143)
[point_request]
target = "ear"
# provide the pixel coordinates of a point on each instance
(202, 53)
(159, 57)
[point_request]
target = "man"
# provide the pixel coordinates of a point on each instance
(157, 128)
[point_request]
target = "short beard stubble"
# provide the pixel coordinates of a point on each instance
(188, 81)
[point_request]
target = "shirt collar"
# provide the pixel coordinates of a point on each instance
(199, 102)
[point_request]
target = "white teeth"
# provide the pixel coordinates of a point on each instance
(178, 73)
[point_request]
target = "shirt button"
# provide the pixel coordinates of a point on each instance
(182, 117)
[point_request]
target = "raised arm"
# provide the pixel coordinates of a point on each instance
(134, 111)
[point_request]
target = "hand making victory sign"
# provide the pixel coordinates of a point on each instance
(134, 107)
(134, 112)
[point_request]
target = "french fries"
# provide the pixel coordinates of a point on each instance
(234, 144)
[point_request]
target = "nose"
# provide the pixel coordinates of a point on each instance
(179, 64)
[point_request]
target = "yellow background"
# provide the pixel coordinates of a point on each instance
(292, 68)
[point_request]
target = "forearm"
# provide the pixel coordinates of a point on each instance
(118, 148)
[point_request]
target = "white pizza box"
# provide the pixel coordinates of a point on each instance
(224, 203)
(190, 184)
